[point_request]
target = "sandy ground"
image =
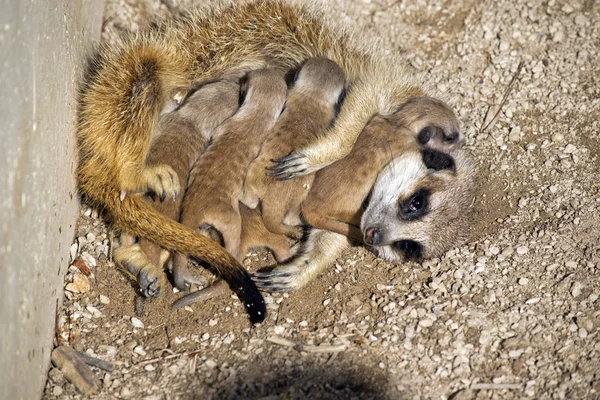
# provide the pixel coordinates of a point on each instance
(514, 313)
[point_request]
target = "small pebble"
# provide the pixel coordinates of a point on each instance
(139, 350)
(103, 299)
(576, 289)
(425, 323)
(210, 363)
(522, 250)
(136, 322)
(523, 281)
(80, 284)
(212, 322)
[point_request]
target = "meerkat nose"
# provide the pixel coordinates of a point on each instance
(372, 236)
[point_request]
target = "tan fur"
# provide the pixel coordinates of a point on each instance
(255, 235)
(389, 161)
(216, 181)
(310, 109)
(335, 200)
(130, 83)
(182, 135)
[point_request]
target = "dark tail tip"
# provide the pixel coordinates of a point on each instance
(249, 295)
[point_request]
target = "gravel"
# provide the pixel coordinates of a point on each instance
(514, 313)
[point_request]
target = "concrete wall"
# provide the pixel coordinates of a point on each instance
(42, 50)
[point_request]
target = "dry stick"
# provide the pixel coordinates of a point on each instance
(308, 348)
(96, 362)
(484, 126)
(76, 370)
(157, 359)
(496, 386)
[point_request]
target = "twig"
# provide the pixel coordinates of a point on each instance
(138, 305)
(96, 362)
(157, 359)
(496, 386)
(336, 348)
(497, 108)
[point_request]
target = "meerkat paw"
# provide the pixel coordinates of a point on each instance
(184, 279)
(295, 164)
(149, 277)
(162, 180)
(281, 279)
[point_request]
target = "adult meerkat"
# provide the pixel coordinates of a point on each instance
(310, 109)
(129, 83)
(335, 200)
(417, 197)
(184, 131)
(211, 202)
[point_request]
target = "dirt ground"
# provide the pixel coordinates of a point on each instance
(513, 313)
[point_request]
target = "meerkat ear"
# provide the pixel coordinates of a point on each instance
(243, 89)
(438, 161)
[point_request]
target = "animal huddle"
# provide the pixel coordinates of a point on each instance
(184, 123)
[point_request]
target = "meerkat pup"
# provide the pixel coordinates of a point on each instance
(183, 132)
(309, 111)
(129, 83)
(211, 203)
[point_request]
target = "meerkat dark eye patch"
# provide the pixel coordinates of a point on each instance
(437, 160)
(410, 248)
(425, 135)
(415, 206)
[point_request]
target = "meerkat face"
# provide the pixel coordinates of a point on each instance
(433, 122)
(419, 205)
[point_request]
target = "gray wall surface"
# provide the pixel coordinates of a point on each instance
(43, 45)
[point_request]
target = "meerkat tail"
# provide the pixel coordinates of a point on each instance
(136, 216)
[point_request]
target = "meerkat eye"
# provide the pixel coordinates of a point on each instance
(415, 206)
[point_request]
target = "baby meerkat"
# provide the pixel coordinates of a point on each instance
(183, 132)
(212, 198)
(309, 111)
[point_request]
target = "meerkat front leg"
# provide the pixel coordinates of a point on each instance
(378, 93)
(320, 251)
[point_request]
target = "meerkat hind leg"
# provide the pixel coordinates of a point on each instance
(160, 179)
(320, 251)
(149, 277)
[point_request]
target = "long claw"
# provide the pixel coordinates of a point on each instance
(282, 172)
(292, 156)
(270, 274)
(272, 290)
